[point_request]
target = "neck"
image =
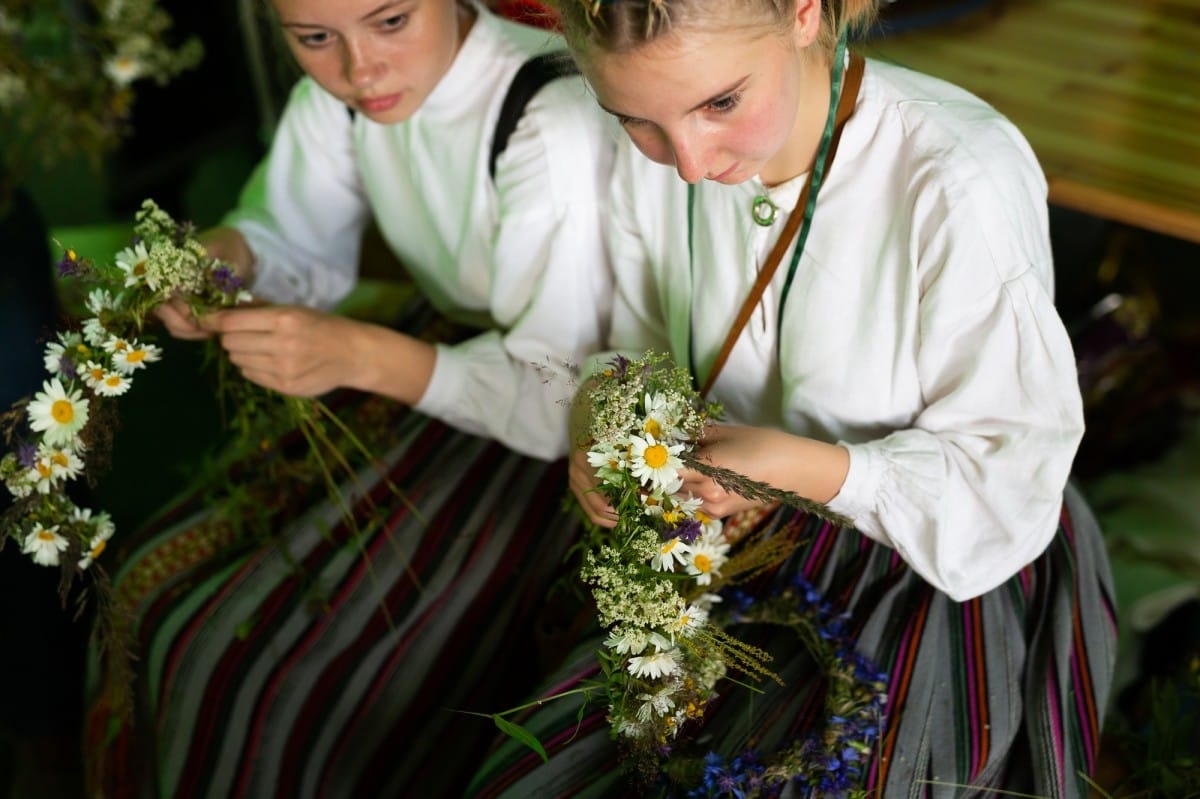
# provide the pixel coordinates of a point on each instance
(798, 153)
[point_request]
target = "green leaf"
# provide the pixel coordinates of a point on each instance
(521, 734)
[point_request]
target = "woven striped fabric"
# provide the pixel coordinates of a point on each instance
(343, 660)
(1005, 692)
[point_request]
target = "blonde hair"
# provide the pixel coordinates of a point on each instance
(618, 26)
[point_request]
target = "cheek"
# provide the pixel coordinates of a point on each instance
(760, 133)
(651, 143)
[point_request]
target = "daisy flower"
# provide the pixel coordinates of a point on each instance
(133, 262)
(627, 643)
(690, 620)
(662, 662)
(100, 300)
(707, 556)
(94, 332)
(124, 70)
(44, 544)
(53, 465)
(662, 417)
(671, 552)
(655, 464)
(129, 356)
(609, 461)
(104, 529)
(57, 413)
(112, 384)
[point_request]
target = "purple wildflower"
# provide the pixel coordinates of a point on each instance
(27, 454)
(68, 265)
(225, 280)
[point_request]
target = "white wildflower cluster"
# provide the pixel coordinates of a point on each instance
(651, 575)
(91, 365)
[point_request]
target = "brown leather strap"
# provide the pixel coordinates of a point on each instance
(845, 108)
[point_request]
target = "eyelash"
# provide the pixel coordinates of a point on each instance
(392, 24)
(724, 105)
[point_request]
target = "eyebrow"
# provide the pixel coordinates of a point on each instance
(719, 95)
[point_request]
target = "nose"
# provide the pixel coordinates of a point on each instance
(689, 162)
(361, 66)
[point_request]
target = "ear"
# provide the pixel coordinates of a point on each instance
(808, 21)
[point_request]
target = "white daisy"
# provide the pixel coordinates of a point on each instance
(662, 418)
(609, 461)
(57, 413)
(659, 663)
(707, 556)
(53, 465)
(113, 384)
(629, 643)
(690, 620)
(671, 552)
(124, 70)
(94, 332)
(44, 543)
(129, 356)
(133, 261)
(656, 465)
(104, 529)
(100, 300)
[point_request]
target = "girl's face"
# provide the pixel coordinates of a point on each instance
(715, 105)
(380, 57)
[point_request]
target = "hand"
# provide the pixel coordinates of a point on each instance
(581, 475)
(582, 478)
(180, 322)
(228, 245)
(291, 349)
(741, 449)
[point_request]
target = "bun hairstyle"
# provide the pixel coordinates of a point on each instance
(618, 26)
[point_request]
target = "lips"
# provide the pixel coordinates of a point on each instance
(725, 174)
(377, 105)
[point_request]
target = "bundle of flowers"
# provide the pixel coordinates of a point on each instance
(88, 369)
(656, 579)
(66, 75)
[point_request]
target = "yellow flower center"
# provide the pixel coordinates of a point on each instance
(654, 428)
(45, 535)
(96, 550)
(62, 411)
(655, 456)
(140, 267)
(60, 459)
(120, 346)
(702, 563)
(670, 545)
(136, 356)
(43, 468)
(672, 516)
(83, 349)
(703, 517)
(112, 381)
(97, 374)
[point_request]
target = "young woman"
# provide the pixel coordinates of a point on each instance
(904, 364)
(334, 664)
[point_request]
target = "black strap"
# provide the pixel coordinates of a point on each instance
(532, 76)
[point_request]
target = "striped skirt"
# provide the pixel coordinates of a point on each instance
(345, 659)
(1005, 692)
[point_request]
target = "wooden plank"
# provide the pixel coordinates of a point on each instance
(1106, 91)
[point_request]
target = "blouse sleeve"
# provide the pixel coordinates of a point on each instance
(971, 491)
(551, 286)
(639, 311)
(303, 210)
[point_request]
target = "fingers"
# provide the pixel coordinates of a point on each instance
(583, 484)
(179, 321)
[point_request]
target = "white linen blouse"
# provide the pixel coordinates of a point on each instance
(521, 256)
(920, 331)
